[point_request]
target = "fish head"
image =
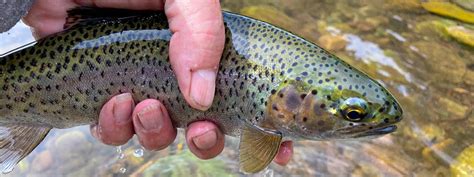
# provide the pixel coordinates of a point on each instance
(335, 110)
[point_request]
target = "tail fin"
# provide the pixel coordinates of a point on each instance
(17, 141)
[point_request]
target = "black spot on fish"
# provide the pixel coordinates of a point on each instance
(48, 88)
(98, 59)
(322, 106)
(381, 109)
(398, 118)
(80, 76)
(74, 67)
(302, 96)
(108, 63)
(58, 68)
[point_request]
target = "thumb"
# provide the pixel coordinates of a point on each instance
(196, 47)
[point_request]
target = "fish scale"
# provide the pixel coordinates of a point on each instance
(270, 85)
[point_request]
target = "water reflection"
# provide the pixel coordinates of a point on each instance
(372, 53)
(413, 52)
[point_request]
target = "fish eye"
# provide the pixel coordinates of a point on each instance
(354, 109)
(354, 114)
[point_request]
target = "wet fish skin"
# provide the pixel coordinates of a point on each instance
(268, 79)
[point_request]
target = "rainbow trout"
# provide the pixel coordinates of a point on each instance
(271, 84)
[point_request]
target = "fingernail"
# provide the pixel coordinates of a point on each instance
(203, 87)
(206, 140)
(284, 153)
(151, 118)
(123, 108)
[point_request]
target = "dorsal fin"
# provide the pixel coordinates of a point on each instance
(87, 15)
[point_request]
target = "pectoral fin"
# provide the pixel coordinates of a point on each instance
(17, 141)
(258, 147)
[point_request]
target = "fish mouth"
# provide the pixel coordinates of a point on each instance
(380, 130)
(364, 133)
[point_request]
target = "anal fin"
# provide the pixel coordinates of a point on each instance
(258, 147)
(17, 141)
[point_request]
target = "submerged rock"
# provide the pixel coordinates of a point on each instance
(403, 5)
(467, 4)
(446, 29)
(369, 24)
(74, 140)
(434, 27)
(442, 64)
(462, 34)
(271, 15)
(74, 148)
(432, 131)
(464, 164)
(332, 42)
(429, 152)
(469, 78)
(452, 109)
(364, 26)
(449, 10)
(185, 164)
(42, 161)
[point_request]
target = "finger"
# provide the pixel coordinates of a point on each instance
(153, 125)
(204, 139)
(196, 47)
(48, 16)
(115, 123)
(124, 4)
(285, 153)
(93, 129)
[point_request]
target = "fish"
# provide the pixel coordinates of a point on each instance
(271, 85)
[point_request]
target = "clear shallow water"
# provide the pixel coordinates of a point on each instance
(396, 42)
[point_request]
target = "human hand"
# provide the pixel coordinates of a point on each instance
(195, 49)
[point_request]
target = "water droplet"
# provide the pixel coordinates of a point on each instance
(119, 149)
(123, 170)
(121, 156)
(138, 152)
